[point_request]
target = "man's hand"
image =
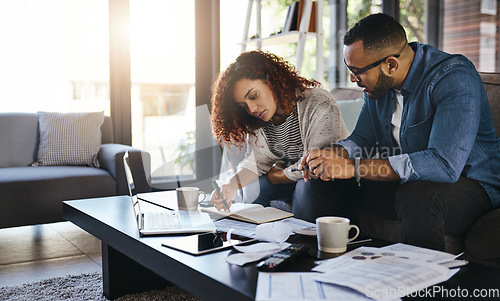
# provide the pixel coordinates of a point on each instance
(326, 164)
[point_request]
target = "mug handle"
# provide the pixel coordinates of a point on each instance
(204, 196)
(357, 232)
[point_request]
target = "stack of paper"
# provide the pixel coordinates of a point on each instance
(387, 273)
(249, 229)
(251, 213)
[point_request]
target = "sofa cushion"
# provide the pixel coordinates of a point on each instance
(34, 195)
(350, 109)
(483, 238)
(19, 139)
(346, 93)
(69, 138)
(350, 101)
(30, 174)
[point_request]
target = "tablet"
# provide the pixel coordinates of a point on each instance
(203, 243)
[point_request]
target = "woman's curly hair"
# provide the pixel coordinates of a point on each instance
(230, 122)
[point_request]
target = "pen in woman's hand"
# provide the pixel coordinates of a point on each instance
(219, 194)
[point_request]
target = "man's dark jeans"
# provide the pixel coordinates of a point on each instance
(427, 210)
(269, 192)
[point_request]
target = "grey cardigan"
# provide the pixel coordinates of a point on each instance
(320, 124)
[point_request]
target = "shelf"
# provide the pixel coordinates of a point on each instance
(305, 9)
(280, 38)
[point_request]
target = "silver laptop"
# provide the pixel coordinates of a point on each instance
(165, 221)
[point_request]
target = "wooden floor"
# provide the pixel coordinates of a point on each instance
(32, 253)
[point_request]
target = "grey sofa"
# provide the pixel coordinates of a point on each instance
(34, 194)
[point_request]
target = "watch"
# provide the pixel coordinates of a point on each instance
(357, 162)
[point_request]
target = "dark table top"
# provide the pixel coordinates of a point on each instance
(111, 219)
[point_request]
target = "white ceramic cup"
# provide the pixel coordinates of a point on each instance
(333, 233)
(188, 198)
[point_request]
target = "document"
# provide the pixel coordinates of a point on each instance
(365, 254)
(252, 213)
(386, 273)
(433, 255)
(301, 286)
(249, 229)
(387, 278)
(297, 224)
(237, 227)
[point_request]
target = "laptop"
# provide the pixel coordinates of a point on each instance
(165, 221)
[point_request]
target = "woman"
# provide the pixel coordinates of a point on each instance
(261, 99)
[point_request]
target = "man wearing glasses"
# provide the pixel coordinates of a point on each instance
(424, 150)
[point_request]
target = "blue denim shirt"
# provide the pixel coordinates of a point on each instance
(446, 127)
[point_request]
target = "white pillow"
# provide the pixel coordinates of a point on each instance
(69, 138)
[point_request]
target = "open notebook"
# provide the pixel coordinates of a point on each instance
(251, 213)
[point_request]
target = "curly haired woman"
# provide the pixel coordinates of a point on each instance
(260, 99)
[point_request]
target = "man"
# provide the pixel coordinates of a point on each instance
(424, 149)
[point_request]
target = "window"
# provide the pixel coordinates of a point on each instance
(163, 75)
(411, 17)
(358, 9)
(470, 28)
(54, 56)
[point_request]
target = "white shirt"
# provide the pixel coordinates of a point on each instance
(396, 115)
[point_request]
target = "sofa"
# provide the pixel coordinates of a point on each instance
(480, 242)
(34, 194)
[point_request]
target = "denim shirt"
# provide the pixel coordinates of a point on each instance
(446, 127)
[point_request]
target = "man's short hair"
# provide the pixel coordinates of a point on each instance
(377, 31)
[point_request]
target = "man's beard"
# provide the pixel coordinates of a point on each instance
(384, 83)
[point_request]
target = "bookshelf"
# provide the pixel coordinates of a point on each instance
(282, 38)
(300, 35)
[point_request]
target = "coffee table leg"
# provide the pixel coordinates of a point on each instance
(121, 275)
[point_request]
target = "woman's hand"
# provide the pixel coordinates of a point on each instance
(227, 192)
(276, 175)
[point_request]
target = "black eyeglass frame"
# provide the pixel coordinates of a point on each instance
(372, 65)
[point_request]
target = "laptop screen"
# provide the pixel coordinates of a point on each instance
(131, 187)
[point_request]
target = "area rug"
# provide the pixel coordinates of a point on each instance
(83, 287)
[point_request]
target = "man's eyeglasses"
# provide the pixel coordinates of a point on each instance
(355, 73)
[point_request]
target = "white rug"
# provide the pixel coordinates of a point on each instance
(82, 287)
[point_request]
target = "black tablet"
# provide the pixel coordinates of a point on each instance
(205, 242)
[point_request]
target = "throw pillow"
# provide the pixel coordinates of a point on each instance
(69, 138)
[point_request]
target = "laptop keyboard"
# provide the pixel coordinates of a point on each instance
(163, 220)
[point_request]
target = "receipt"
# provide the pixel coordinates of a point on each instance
(273, 232)
(255, 252)
(259, 247)
(260, 250)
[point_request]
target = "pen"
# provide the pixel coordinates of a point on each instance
(295, 169)
(217, 190)
(144, 200)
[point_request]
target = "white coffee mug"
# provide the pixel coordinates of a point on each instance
(333, 233)
(188, 198)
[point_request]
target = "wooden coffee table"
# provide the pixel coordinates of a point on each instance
(134, 264)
